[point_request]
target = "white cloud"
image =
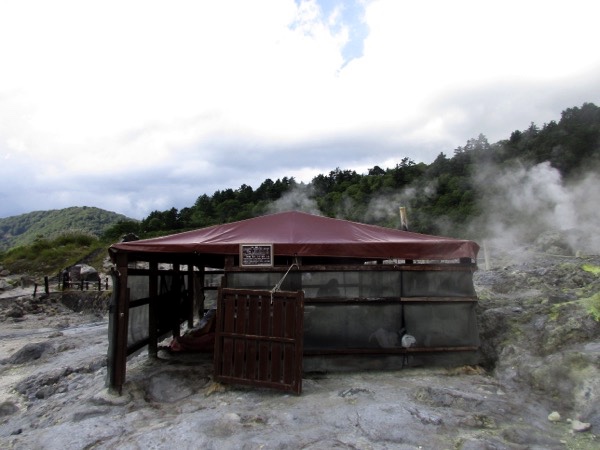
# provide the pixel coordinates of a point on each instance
(202, 91)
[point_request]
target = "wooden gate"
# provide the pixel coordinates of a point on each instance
(259, 338)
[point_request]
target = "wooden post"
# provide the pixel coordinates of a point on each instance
(403, 219)
(190, 292)
(176, 297)
(153, 310)
(202, 292)
(404, 227)
(120, 359)
(46, 285)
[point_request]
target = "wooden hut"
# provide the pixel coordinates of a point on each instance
(295, 291)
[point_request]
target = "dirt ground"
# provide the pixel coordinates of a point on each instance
(525, 395)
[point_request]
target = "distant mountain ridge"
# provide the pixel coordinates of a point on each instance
(24, 229)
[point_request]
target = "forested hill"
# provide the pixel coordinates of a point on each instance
(26, 228)
(533, 180)
(459, 194)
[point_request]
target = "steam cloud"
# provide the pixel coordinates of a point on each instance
(520, 207)
(522, 203)
(300, 198)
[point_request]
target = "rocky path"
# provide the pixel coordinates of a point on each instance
(173, 402)
(538, 390)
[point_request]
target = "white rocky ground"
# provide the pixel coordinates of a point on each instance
(541, 351)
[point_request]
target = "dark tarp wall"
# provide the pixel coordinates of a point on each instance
(370, 308)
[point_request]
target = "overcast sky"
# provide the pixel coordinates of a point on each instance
(135, 106)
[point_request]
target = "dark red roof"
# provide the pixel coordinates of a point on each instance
(297, 233)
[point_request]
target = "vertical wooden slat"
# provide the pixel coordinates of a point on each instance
(191, 296)
(289, 331)
(176, 299)
(264, 374)
(202, 293)
(277, 317)
(299, 349)
(240, 342)
(228, 327)
(122, 324)
(276, 351)
(219, 320)
(253, 330)
(228, 313)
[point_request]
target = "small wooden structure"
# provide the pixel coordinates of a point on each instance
(297, 292)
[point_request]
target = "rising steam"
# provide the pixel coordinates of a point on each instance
(520, 204)
(300, 198)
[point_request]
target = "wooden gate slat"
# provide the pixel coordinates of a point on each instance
(252, 344)
(259, 338)
(288, 353)
(228, 324)
(264, 363)
(276, 353)
(240, 330)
